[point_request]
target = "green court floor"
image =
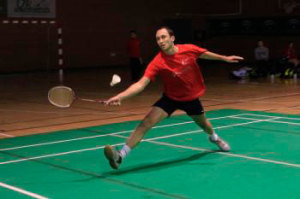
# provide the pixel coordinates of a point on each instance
(175, 160)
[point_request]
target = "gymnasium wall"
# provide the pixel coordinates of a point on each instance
(95, 32)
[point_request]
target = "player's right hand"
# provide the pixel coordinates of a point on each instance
(114, 101)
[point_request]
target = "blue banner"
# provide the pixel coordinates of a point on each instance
(31, 8)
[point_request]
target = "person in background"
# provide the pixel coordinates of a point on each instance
(134, 53)
(291, 68)
(291, 55)
(261, 55)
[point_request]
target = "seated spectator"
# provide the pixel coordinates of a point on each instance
(290, 54)
(291, 66)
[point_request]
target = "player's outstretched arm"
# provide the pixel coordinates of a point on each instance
(132, 90)
(214, 56)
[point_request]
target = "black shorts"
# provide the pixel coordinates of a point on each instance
(193, 107)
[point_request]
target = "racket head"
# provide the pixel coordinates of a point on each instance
(61, 96)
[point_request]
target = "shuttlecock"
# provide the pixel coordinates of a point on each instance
(115, 80)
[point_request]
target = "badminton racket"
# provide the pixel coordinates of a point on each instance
(63, 97)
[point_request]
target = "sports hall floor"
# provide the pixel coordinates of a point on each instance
(48, 152)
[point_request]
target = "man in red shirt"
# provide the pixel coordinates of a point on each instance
(291, 55)
(134, 53)
(183, 85)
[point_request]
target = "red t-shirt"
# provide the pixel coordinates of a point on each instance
(134, 48)
(180, 73)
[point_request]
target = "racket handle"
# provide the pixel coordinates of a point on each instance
(92, 100)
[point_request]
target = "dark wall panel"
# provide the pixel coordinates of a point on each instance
(95, 32)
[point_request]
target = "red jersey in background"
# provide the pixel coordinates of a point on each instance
(134, 48)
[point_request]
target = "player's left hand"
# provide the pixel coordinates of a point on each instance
(234, 59)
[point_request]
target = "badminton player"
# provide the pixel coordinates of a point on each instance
(183, 85)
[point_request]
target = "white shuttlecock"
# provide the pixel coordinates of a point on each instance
(115, 80)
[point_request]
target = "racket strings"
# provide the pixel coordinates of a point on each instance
(61, 96)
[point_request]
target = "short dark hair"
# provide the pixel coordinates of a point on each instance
(132, 31)
(170, 31)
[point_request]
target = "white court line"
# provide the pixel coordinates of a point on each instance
(61, 141)
(33, 195)
(258, 115)
(252, 98)
(272, 121)
(95, 148)
(228, 154)
(120, 132)
(96, 136)
(223, 153)
(54, 155)
(288, 118)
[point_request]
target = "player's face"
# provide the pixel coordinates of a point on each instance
(133, 35)
(164, 40)
(260, 43)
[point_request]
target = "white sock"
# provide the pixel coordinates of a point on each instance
(125, 151)
(214, 136)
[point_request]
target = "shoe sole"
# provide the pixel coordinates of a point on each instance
(109, 154)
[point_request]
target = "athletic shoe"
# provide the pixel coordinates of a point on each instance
(224, 146)
(113, 156)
